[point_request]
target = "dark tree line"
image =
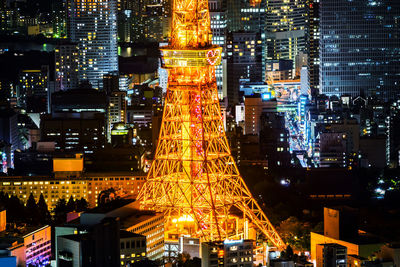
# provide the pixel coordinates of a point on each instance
(37, 212)
(63, 207)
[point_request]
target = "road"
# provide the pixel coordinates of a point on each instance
(296, 140)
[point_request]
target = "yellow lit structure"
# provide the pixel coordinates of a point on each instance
(68, 164)
(89, 186)
(194, 179)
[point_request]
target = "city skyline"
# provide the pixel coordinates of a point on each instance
(199, 133)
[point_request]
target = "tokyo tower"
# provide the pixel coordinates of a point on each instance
(194, 180)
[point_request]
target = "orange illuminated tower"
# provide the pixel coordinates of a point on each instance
(194, 179)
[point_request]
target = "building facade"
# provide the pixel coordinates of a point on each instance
(132, 247)
(313, 38)
(116, 109)
(362, 59)
(93, 27)
(31, 246)
(33, 89)
(218, 16)
(74, 131)
(233, 253)
(87, 187)
(245, 61)
(66, 69)
(286, 28)
(152, 227)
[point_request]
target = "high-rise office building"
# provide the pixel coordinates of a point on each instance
(74, 131)
(285, 28)
(359, 48)
(9, 127)
(59, 18)
(116, 110)
(66, 69)
(93, 27)
(254, 106)
(143, 21)
(246, 15)
(33, 89)
(313, 37)
(218, 16)
(392, 135)
(249, 16)
(245, 61)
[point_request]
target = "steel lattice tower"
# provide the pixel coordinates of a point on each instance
(194, 179)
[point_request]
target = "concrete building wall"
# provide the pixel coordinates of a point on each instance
(38, 245)
(73, 247)
(153, 229)
(331, 223)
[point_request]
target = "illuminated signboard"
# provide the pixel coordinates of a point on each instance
(266, 96)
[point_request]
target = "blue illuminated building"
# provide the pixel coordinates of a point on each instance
(301, 111)
(8, 261)
(251, 88)
(360, 48)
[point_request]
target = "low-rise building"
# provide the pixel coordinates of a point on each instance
(87, 186)
(331, 255)
(133, 247)
(341, 236)
(29, 245)
(233, 253)
(97, 245)
(147, 223)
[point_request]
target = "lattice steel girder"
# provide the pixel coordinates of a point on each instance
(194, 179)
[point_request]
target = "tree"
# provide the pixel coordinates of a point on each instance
(3, 200)
(195, 262)
(15, 209)
(71, 205)
(295, 233)
(32, 210)
(183, 258)
(287, 254)
(106, 196)
(60, 211)
(43, 210)
(81, 204)
(144, 263)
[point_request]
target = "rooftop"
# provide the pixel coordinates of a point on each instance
(77, 238)
(127, 234)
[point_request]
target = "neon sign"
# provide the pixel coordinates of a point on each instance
(213, 54)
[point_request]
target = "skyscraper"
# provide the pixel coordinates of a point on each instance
(33, 89)
(359, 48)
(218, 19)
(286, 28)
(245, 61)
(247, 15)
(93, 26)
(246, 45)
(66, 69)
(143, 20)
(313, 37)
